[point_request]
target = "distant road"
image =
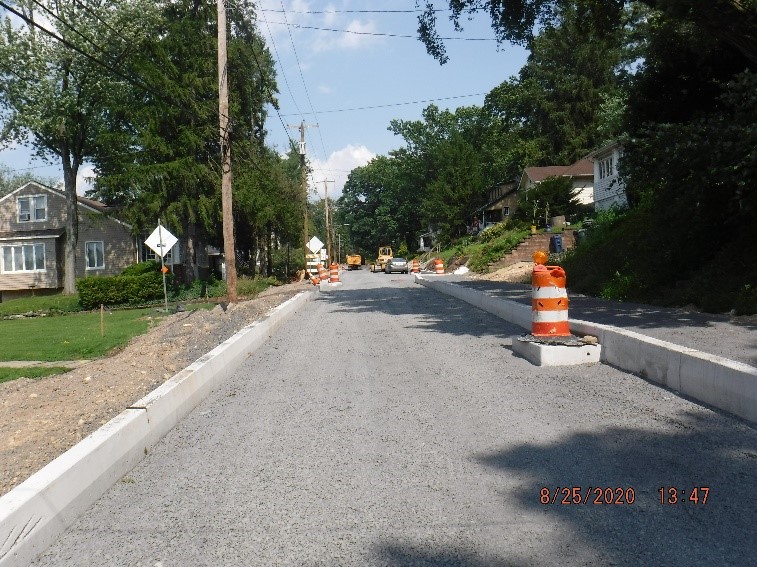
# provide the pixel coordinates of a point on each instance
(385, 424)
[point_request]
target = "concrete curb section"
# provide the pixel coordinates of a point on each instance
(720, 382)
(37, 511)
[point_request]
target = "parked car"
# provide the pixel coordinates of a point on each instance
(396, 265)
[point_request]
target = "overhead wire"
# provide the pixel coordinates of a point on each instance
(389, 105)
(378, 34)
(304, 84)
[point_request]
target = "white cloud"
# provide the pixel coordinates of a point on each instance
(84, 179)
(337, 167)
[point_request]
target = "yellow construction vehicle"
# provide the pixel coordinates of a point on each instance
(384, 255)
(354, 261)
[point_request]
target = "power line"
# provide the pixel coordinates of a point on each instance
(388, 105)
(354, 11)
(403, 36)
(304, 83)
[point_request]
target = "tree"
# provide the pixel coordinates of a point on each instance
(172, 169)
(554, 196)
(732, 21)
(10, 181)
(56, 80)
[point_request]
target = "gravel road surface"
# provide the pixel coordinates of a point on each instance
(386, 424)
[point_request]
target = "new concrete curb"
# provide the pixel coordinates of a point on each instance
(37, 511)
(714, 380)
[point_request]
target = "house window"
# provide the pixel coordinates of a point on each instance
(33, 208)
(24, 258)
(505, 211)
(605, 167)
(95, 252)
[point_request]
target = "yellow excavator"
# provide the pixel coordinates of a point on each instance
(384, 255)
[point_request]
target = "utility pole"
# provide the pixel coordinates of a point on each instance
(229, 252)
(304, 181)
(329, 251)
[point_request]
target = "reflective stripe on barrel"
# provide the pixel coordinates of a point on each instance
(334, 268)
(549, 302)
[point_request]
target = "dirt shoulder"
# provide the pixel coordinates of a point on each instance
(42, 418)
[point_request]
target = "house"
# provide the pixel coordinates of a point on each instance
(580, 172)
(609, 190)
(500, 205)
(32, 235)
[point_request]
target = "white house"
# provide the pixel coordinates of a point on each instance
(609, 190)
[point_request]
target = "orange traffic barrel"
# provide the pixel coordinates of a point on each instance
(438, 266)
(334, 276)
(549, 302)
(323, 274)
(416, 266)
(314, 279)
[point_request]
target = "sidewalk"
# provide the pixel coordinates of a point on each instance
(43, 363)
(722, 335)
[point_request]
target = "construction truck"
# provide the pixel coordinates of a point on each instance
(354, 261)
(384, 255)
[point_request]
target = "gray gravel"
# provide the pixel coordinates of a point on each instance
(386, 424)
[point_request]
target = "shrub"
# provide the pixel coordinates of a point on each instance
(120, 290)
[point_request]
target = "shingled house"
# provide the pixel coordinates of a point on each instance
(32, 235)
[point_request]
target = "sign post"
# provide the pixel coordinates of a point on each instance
(161, 241)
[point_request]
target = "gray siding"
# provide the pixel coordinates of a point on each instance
(119, 245)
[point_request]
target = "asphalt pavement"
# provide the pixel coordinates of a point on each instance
(387, 424)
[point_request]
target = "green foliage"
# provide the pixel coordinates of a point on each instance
(48, 304)
(140, 268)
(481, 256)
(746, 300)
(120, 290)
(552, 197)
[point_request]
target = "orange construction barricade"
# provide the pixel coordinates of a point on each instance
(323, 273)
(334, 275)
(416, 266)
(549, 302)
(438, 266)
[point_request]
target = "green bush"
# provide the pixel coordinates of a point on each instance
(120, 290)
(746, 300)
(142, 268)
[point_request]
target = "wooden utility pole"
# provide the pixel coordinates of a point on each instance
(304, 181)
(229, 252)
(329, 250)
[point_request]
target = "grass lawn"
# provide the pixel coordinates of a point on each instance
(72, 337)
(8, 374)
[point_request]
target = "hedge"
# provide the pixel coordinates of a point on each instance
(120, 290)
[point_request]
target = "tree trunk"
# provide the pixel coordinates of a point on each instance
(70, 171)
(268, 246)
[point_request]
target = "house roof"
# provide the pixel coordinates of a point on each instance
(96, 206)
(32, 234)
(582, 167)
(603, 149)
(510, 188)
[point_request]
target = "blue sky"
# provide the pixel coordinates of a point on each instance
(324, 75)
